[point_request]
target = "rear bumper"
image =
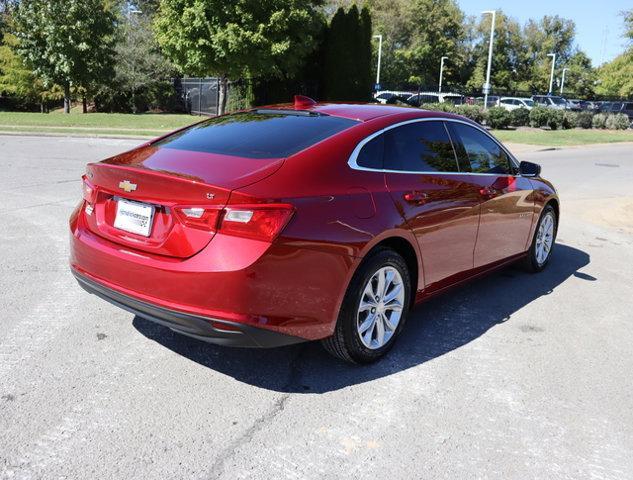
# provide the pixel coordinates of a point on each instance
(212, 330)
(282, 289)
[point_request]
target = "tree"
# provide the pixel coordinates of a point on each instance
(551, 34)
(348, 56)
(628, 25)
(416, 34)
(507, 68)
(140, 68)
(616, 77)
(580, 77)
(67, 42)
(242, 38)
(18, 80)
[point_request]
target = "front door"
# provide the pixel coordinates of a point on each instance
(507, 207)
(438, 203)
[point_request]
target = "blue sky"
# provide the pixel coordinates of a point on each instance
(596, 21)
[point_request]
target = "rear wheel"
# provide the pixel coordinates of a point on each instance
(374, 309)
(543, 242)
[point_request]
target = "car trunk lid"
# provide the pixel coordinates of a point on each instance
(171, 182)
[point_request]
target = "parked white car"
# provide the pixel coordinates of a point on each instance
(512, 103)
(383, 96)
(435, 97)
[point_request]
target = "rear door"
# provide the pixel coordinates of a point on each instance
(508, 204)
(439, 204)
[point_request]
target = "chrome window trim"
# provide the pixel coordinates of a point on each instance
(353, 164)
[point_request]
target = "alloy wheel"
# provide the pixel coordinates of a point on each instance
(545, 238)
(380, 308)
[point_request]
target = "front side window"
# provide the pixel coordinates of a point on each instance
(419, 147)
(478, 151)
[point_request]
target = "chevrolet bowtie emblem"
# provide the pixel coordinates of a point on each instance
(127, 186)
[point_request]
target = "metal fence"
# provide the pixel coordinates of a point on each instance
(200, 96)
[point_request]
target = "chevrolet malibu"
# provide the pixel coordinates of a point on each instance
(307, 221)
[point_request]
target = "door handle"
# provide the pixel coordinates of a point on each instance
(488, 192)
(415, 197)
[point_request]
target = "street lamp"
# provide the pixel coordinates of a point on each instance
(132, 11)
(551, 76)
(562, 81)
(379, 37)
(492, 38)
(439, 90)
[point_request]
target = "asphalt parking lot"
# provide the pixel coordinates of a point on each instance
(516, 376)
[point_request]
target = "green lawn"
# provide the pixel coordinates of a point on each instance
(153, 125)
(562, 138)
(90, 124)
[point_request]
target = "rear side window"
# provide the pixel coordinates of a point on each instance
(477, 152)
(419, 147)
(257, 135)
(371, 154)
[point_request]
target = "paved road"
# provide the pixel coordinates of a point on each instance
(513, 377)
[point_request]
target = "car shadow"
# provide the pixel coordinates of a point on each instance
(433, 328)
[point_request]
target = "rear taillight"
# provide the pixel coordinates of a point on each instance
(259, 222)
(199, 217)
(88, 190)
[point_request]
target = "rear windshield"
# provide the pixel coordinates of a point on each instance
(257, 135)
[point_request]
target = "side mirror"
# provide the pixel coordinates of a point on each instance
(529, 169)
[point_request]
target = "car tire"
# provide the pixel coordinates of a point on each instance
(367, 329)
(543, 241)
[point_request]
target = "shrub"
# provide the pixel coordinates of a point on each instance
(570, 119)
(438, 107)
(555, 118)
(539, 117)
(520, 117)
(599, 120)
(498, 118)
(619, 121)
(583, 119)
(475, 112)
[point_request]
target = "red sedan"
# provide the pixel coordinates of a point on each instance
(308, 221)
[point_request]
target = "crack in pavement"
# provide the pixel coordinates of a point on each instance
(227, 453)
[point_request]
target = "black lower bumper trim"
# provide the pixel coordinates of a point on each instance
(195, 326)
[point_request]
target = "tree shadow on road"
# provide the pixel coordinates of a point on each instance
(433, 328)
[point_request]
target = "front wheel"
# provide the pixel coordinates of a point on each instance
(374, 309)
(543, 242)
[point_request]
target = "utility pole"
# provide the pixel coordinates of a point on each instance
(379, 37)
(439, 90)
(487, 86)
(551, 76)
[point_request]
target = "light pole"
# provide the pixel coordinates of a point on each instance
(562, 81)
(439, 90)
(130, 11)
(379, 37)
(551, 76)
(492, 38)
